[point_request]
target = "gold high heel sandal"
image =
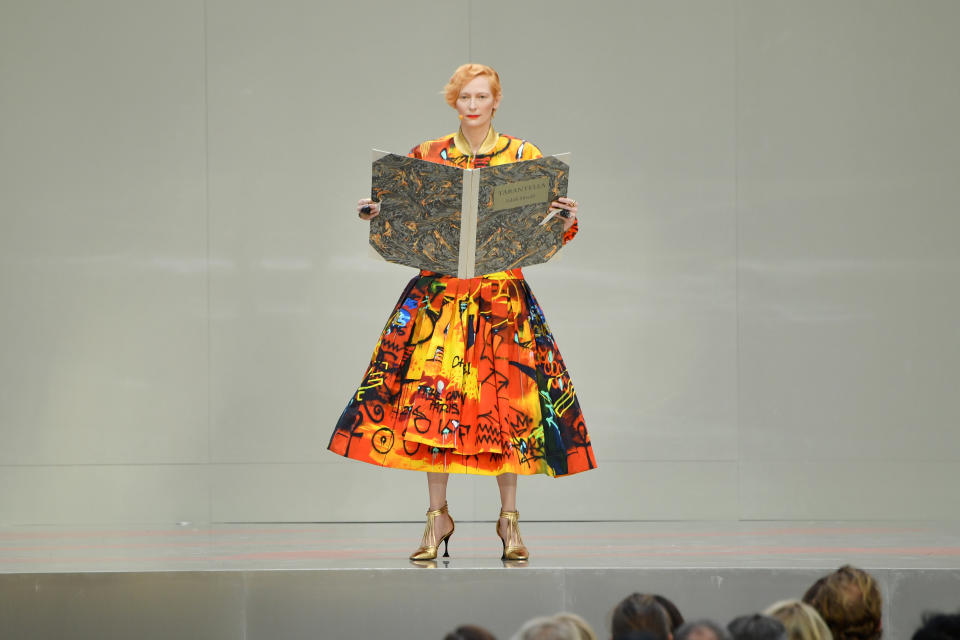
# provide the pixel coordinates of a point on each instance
(514, 551)
(429, 551)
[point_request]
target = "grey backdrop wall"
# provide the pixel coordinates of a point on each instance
(760, 313)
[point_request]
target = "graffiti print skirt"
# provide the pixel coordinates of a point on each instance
(466, 378)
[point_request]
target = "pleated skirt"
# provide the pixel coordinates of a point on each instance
(466, 378)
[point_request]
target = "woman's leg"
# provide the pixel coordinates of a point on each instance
(437, 488)
(508, 491)
(508, 502)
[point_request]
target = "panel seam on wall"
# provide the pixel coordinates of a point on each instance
(206, 189)
(736, 238)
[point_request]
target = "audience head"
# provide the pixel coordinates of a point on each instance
(548, 628)
(801, 620)
(584, 629)
(644, 612)
(939, 626)
(849, 602)
(636, 634)
(701, 630)
(676, 618)
(469, 632)
(757, 627)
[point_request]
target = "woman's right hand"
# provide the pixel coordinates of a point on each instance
(374, 208)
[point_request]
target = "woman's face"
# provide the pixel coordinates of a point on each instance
(476, 104)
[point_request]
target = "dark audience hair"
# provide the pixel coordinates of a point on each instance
(636, 634)
(849, 602)
(642, 612)
(757, 627)
(939, 626)
(687, 629)
(676, 618)
(469, 632)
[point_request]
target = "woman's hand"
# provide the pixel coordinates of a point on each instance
(570, 206)
(374, 208)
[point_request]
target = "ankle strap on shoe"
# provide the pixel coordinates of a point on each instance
(437, 512)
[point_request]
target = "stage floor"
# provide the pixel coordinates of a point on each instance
(348, 580)
(38, 549)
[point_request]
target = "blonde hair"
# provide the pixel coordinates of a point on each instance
(464, 74)
(583, 627)
(801, 620)
(547, 628)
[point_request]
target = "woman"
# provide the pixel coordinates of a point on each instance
(466, 376)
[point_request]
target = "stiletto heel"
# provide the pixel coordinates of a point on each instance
(428, 551)
(514, 551)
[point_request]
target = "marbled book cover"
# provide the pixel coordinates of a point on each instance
(466, 222)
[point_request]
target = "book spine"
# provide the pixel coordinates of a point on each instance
(468, 224)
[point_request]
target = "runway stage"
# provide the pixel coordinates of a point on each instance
(352, 580)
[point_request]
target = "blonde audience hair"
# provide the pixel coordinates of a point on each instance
(801, 620)
(582, 626)
(561, 626)
(546, 628)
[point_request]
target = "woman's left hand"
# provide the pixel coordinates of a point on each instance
(569, 205)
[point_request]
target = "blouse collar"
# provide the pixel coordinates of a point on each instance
(488, 145)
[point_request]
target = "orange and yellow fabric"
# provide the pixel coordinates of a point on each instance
(466, 376)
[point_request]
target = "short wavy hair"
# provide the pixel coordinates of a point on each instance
(464, 74)
(850, 603)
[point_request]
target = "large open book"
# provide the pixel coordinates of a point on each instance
(467, 222)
